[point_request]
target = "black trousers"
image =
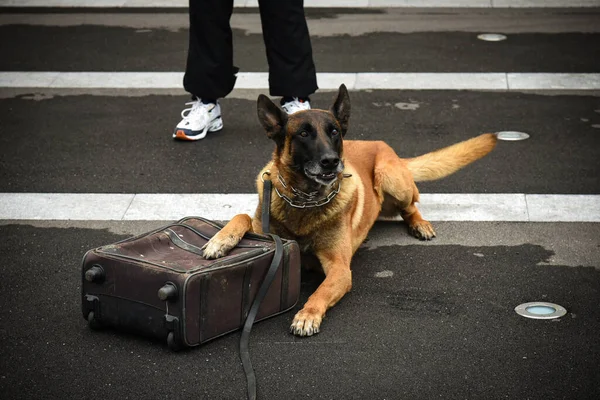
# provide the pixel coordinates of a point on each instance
(210, 72)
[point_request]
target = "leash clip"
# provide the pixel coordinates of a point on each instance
(262, 177)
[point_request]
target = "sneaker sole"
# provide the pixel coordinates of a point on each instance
(180, 134)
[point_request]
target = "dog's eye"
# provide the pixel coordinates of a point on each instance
(304, 134)
(334, 132)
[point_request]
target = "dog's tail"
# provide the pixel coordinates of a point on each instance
(446, 161)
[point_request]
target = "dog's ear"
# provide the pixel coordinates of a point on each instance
(272, 118)
(341, 108)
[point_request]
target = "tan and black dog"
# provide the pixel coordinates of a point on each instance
(329, 192)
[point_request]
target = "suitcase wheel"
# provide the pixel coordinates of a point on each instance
(173, 345)
(93, 323)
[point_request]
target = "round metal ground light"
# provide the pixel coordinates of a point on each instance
(512, 136)
(491, 37)
(540, 310)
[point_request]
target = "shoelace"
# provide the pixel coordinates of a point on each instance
(297, 99)
(196, 105)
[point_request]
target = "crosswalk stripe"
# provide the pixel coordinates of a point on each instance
(165, 206)
(326, 80)
(313, 3)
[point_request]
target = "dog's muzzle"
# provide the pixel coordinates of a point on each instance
(326, 171)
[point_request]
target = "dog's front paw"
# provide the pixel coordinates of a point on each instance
(306, 323)
(422, 230)
(219, 246)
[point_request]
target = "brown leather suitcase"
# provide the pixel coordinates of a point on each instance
(158, 284)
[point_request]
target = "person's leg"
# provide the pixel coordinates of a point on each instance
(289, 52)
(209, 73)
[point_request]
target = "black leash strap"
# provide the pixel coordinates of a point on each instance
(266, 205)
(262, 292)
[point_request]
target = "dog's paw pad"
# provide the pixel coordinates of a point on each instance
(216, 248)
(305, 324)
(422, 230)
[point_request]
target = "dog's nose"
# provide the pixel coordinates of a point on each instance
(329, 162)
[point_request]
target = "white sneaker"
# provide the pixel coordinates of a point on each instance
(295, 105)
(198, 120)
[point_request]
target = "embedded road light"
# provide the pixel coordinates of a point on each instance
(540, 310)
(491, 37)
(511, 135)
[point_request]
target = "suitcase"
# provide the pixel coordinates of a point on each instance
(159, 285)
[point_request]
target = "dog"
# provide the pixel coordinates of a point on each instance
(328, 193)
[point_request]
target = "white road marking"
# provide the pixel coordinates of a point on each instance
(428, 80)
(326, 80)
(313, 3)
(166, 207)
(543, 207)
(554, 81)
(64, 206)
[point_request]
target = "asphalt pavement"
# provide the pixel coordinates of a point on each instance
(123, 145)
(134, 49)
(424, 320)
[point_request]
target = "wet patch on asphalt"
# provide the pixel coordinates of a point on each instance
(442, 325)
